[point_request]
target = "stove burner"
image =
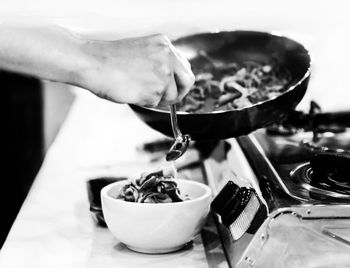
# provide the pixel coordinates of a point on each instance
(329, 142)
(325, 173)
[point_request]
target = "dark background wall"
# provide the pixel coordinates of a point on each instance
(22, 142)
(32, 112)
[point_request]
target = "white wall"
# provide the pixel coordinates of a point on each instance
(57, 101)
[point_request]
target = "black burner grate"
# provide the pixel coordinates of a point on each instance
(330, 172)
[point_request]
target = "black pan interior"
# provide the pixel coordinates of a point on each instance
(225, 47)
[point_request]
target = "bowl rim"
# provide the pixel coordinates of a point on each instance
(206, 188)
(270, 33)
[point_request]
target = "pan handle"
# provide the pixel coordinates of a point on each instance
(338, 119)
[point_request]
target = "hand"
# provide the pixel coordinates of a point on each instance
(147, 71)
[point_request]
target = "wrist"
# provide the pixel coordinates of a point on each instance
(82, 63)
(88, 66)
(99, 72)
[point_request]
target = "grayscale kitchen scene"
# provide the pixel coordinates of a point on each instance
(178, 134)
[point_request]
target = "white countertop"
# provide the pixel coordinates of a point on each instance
(54, 227)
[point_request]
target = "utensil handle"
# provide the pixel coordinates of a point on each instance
(174, 123)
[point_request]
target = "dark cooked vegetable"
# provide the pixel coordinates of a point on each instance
(235, 86)
(154, 187)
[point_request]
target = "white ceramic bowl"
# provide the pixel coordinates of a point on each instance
(156, 228)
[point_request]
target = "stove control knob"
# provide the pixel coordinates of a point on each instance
(240, 209)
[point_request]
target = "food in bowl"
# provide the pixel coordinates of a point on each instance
(234, 86)
(156, 227)
(154, 187)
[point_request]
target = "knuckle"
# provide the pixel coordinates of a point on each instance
(163, 44)
(166, 50)
(158, 92)
(165, 70)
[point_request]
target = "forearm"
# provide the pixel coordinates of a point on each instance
(46, 52)
(144, 71)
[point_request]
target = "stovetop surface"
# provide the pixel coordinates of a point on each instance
(284, 161)
(302, 221)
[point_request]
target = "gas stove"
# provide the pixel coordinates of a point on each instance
(302, 183)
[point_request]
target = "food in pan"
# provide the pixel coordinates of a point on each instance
(155, 187)
(234, 86)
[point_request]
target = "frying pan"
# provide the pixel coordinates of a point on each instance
(236, 46)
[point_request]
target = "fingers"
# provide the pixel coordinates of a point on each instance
(184, 78)
(171, 93)
(181, 57)
(181, 78)
(179, 83)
